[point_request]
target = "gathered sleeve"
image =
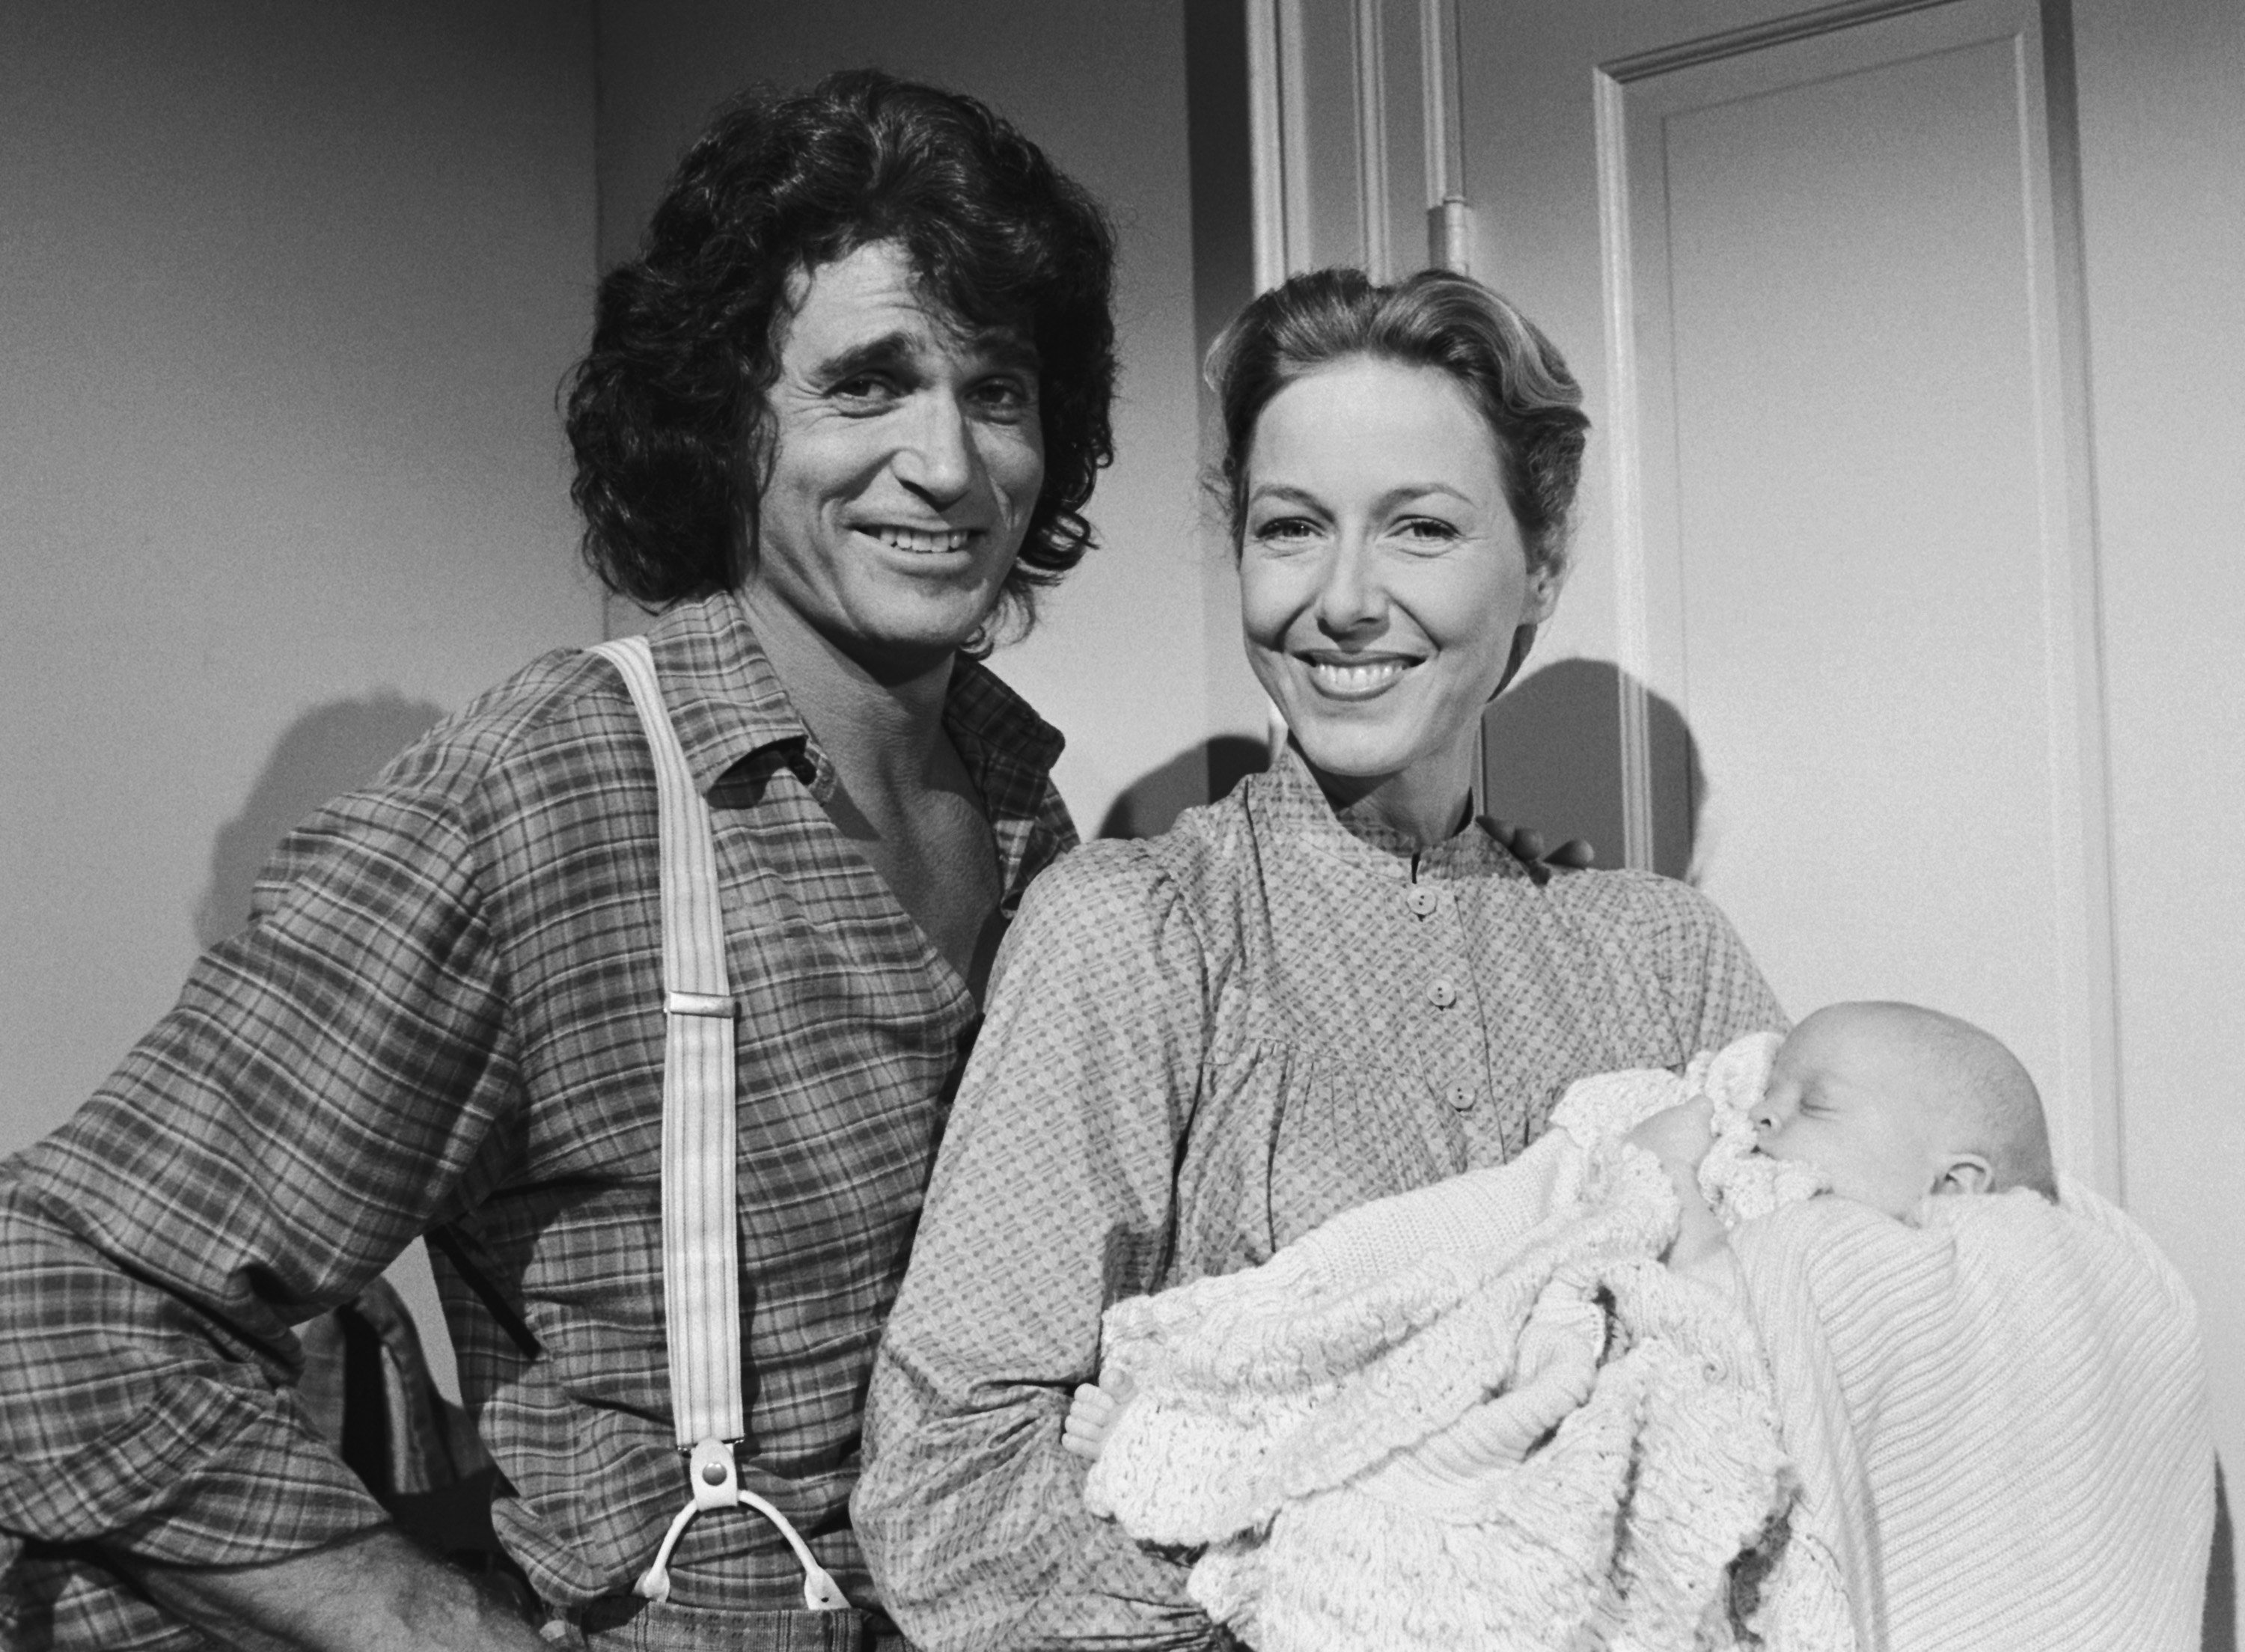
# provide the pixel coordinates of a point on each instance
(1052, 1198)
(1716, 993)
(326, 1080)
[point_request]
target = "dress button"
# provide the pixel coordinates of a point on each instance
(1421, 900)
(1442, 994)
(1460, 1096)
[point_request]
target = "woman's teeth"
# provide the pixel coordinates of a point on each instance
(1365, 677)
(919, 540)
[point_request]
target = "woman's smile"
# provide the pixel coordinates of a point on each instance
(1341, 676)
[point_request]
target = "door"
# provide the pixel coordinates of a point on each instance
(1830, 646)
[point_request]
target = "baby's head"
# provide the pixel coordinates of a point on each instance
(1895, 1102)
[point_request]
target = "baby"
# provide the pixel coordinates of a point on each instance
(1891, 1103)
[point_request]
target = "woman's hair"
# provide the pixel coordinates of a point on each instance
(667, 413)
(1511, 372)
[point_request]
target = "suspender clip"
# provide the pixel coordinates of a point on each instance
(717, 1478)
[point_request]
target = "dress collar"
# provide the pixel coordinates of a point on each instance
(1291, 808)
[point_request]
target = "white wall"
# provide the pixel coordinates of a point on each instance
(285, 292)
(2162, 123)
(1137, 657)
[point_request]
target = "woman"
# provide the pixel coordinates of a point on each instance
(1333, 985)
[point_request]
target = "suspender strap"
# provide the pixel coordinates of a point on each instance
(701, 1247)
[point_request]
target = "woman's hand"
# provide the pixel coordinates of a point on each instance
(1093, 1411)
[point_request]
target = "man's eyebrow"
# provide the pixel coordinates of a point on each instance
(866, 355)
(1002, 345)
(1007, 347)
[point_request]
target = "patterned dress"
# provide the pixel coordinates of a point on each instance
(1200, 1047)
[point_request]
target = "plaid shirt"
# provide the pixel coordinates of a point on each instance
(1201, 1047)
(447, 1011)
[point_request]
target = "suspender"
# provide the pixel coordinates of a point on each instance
(701, 1247)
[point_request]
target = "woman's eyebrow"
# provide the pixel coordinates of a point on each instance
(1420, 491)
(1387, 500)
(1284, 491)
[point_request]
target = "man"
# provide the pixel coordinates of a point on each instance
(838, 420)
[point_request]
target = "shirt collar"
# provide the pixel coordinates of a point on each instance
(724, 699)
(726, 703)
(1293, 808)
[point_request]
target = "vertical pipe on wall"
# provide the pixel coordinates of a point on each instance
(1279, 148)
(1372, 141)
(1449, 219)
(1632, 641)
(1266, 130)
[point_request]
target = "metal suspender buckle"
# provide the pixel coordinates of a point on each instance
(715, 1477)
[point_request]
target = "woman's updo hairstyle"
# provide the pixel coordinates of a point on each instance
(1513, 374)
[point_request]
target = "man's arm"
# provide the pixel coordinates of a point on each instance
(372, 1592)
(1052, 1198)
(324, 1082)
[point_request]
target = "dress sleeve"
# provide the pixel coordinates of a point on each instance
(301, 1114)
(1052, 1198)
(1716, 990)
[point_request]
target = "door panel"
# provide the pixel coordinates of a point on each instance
(1841, 398)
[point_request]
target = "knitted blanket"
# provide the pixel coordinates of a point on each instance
(1998, 1418)
(1481, 1414)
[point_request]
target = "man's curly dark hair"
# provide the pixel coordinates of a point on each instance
(667, 413)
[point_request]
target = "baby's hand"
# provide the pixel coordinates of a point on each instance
(1680, 1134)
(1091, 1413)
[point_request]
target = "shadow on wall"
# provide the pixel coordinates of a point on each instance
(1553, 745)
(2218, 1626)
(1553, 753)
(328, 751)
(1151, 804)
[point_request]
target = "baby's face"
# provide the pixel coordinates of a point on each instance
(1842, 1099)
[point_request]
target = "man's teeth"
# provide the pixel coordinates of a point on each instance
(919, 540)
(1360, 677)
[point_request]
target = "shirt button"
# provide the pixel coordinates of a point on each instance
(1460, 1096)
(1442, 994)
(1421, 900)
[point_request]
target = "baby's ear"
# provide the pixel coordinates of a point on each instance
(1964, 1172)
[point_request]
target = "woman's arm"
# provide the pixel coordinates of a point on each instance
(1052, 1198)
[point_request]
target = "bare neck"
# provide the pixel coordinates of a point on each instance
(883, 731)
(1426, 803)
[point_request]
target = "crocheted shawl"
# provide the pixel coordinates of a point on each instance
(1301, 1423)
(1993, 1424)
